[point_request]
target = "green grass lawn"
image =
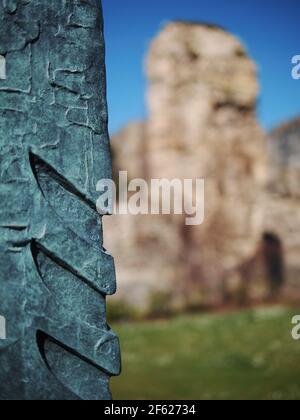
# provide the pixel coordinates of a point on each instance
(248, 355)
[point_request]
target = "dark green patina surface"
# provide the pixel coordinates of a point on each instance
(54, 148)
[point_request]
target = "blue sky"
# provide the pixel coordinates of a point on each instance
(270, 29)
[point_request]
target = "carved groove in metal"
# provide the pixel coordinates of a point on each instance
(54, 148)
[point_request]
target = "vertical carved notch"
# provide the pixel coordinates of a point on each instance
(2, 328)
(2, 67)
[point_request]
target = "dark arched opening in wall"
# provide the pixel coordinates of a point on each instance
(273, 259)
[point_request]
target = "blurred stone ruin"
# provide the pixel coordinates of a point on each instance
(202, 96)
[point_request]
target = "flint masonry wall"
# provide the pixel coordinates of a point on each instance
(202, 123)
(282, 198)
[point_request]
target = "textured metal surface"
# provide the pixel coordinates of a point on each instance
(54, 148)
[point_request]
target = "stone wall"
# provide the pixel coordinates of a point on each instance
(282, 215)
(202, 124)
